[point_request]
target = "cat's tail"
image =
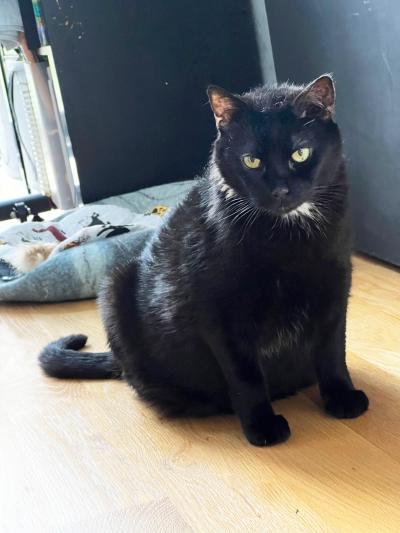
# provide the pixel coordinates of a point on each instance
(61, 359)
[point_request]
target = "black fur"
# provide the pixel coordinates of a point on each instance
(62, 360)
(239, 299)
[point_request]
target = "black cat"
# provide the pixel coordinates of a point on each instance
(241, 295)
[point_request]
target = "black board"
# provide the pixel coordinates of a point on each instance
(359, 42)
(133, 76)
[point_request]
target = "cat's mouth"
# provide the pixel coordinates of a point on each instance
(305, 209)
(284, 208)
(292, 210)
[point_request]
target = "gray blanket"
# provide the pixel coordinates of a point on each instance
(77, 273)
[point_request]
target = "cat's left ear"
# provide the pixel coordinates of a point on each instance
(317, 99)
(224, 104)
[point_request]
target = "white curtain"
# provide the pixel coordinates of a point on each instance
(10, 23)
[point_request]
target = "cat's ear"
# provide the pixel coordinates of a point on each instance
(317, 99)
(224, 104)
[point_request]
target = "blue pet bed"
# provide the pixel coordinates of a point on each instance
(77, 273)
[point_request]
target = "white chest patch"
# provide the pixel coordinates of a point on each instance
(283, 338)
(307, 216)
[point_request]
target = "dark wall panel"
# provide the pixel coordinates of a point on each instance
(357, 40)
(133, 76)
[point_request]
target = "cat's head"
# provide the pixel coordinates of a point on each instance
(277, 146)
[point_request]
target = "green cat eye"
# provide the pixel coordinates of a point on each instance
(301, 155)
(251, 162)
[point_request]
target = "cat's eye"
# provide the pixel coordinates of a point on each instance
(251, 162)
(301, 155)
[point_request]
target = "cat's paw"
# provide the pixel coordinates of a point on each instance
(272, 430)
(347, 404)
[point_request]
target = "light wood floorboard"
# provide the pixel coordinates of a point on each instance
(89, 457)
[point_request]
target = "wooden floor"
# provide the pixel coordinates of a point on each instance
(89, 457)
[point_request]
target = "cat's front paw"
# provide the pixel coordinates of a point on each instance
(347, 404)
(270, 431)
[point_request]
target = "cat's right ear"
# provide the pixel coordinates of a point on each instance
(317, 99)
(224, 104)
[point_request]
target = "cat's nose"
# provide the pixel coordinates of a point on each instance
(280, 193)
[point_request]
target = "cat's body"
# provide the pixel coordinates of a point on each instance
(177, 302)
(241, 295)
